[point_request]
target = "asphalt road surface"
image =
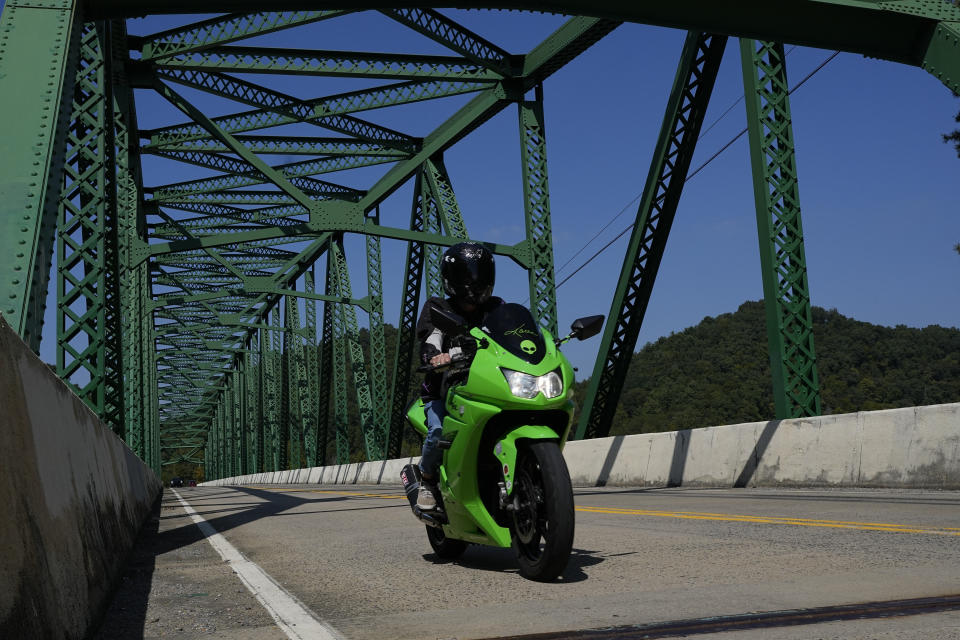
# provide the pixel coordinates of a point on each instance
(741, 563)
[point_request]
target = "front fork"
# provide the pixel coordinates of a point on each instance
(506, 452)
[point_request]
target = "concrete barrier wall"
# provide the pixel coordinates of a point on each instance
(915, 447)
(72, 499)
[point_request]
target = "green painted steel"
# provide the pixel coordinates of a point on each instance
(295, 371)
(536, 207)
(350, 335)
(379, 389)
(179, 305)
(222, 30)
(325, 378)
(264, 405)
(898, 30)
(406, 327)
(338, 373)
(441, 217)
(83, 232)
(36, 107)
(786, 293)
(686, 107)
(330, 63)
(310, 386)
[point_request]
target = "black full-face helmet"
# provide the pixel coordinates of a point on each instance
(468, 272)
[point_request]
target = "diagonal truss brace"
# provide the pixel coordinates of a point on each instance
(687, 105)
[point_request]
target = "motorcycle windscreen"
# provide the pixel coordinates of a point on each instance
(514, 328)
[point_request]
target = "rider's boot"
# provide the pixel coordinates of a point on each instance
(426, 499)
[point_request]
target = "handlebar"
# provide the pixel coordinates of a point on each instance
(429, 368)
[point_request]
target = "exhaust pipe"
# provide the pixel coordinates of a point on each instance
(411, 479)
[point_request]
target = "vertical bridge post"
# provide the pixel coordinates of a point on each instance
(786, 294)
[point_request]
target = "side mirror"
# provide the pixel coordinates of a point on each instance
(447, 321)
(587, 327)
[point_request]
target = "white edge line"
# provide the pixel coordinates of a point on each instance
(291, 615)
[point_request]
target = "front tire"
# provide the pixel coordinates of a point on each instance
(544, 520)
(445, 548)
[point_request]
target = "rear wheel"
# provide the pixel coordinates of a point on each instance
(445, 548)
(543, 522)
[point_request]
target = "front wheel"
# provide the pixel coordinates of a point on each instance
(445, 548)
(543, 521)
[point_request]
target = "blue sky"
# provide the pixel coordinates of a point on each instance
(877, 184)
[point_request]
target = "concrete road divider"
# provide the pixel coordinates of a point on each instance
(914, 447)
(73, 497)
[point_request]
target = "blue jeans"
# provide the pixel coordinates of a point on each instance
(432, 455)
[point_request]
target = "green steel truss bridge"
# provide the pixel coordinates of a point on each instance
(178, 317)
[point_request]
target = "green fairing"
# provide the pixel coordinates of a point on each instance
(470, 407)
(506, 449)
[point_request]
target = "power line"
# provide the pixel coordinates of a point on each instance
(702, 135)
(688, 178)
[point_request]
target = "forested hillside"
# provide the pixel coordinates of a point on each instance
(718, 372)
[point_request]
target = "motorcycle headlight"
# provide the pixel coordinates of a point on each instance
(551, 384)
(522, 385)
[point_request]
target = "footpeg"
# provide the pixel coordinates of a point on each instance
(411, 478)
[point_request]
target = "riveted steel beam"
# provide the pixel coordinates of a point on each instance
(39, 54)
(331, 63)
(225, 29)
(447, 32)
(280, 109)
(898, 30)
(287, 145)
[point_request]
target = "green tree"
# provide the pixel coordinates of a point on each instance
(954, 137)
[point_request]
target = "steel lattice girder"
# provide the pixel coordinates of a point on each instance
(338, 339)
(82, 230)
(916, 32)
(536, 200)
(796, 389)
(225, 29)
(686, 107)
(406, 327)
(380, 393)
(331, 63)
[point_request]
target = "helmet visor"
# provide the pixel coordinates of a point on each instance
(476, 285)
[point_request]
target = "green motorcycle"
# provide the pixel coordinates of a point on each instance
(503, 481)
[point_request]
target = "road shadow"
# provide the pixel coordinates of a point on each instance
(608, 461)
(125, 617)
(681, 449)
(499, 560)
(750, 468)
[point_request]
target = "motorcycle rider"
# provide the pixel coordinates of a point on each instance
(468, 274)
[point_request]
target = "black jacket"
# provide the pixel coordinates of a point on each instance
(433, 341)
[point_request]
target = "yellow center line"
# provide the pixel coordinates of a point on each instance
(690, 515)
(799, 522)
